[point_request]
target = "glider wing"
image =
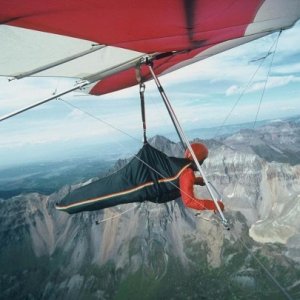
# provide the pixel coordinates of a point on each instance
(102, 41)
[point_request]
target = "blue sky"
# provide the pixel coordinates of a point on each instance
(203, 95)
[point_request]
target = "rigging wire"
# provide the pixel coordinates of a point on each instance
(274, 45)
(265, 269)
(276, 282)
(266, 81)
(238, 100)
(272, 278)
(98, 119)
(117, 215)
(262, 60)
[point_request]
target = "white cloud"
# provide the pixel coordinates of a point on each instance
(233, 90)
(52, 132)
(288, 108)
(287, 68)
(273, 82)
(75, 114)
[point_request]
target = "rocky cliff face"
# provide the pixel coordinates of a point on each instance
(162, 251)
(264, 181)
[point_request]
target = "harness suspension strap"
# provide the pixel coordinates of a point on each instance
(142, 90)
(185, 141)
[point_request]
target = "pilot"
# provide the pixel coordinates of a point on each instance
(188, 179)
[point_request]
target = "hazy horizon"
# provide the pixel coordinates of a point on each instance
(113, 150)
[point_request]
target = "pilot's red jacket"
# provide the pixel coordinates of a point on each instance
(186, 181)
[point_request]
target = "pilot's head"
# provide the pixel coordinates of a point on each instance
(200, 151)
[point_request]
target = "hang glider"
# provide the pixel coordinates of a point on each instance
(101, 42)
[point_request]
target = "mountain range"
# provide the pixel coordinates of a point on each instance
(164, 251)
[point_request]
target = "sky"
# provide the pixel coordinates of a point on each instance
(228, 88)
